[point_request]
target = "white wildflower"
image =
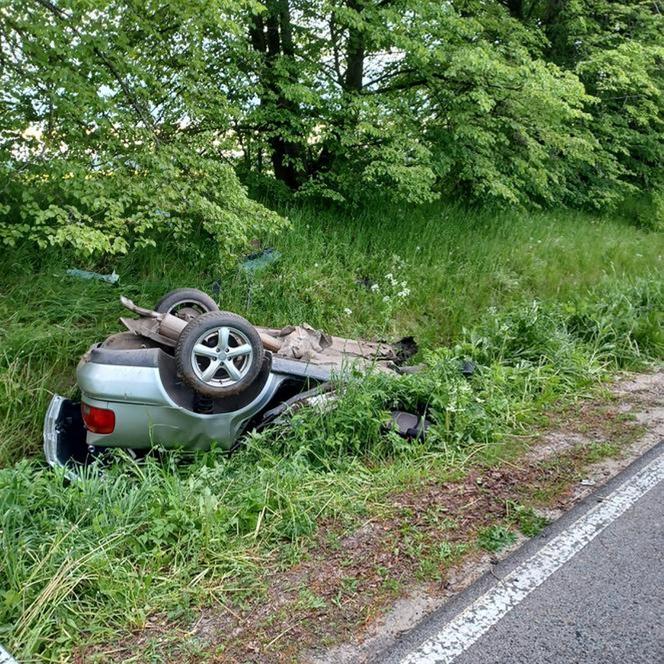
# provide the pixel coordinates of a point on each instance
(375, 288)
(348, 311)
(386, 298)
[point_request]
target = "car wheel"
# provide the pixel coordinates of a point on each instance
(186, 303)
(219, 354)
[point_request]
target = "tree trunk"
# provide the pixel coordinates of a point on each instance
(351, 82)
(556, 31)
(272, 38)
(515, 8)
(354, 55)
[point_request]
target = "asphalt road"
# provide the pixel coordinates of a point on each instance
(590, 589)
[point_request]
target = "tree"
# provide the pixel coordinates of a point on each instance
(110, 137)
(125, 121)
(410, 98)
(615, 50)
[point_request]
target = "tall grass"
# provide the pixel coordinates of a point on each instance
(456, 265)
(86, 562)
(544, 305)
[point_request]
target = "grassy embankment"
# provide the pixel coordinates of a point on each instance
(83, 562)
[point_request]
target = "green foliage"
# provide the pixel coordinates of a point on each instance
(615, 48)
(627, 83)
(535, 335)
(495, 538)
(123, 123)
(529, 522)
(96, 151)
(503, 102)
(172, 195)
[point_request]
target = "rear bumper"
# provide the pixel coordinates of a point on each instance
(64, 434)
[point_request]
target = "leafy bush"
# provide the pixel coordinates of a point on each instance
(96, 148)
(167, 195)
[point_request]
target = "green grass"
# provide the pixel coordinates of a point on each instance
(494, 538)
(87, 562)
(456, 264)
(529, 522)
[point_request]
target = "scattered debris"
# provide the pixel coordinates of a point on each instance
(407, 425)
(406, 348)
(259, 260)
(467, 368)
(365, 282)
(112, 278)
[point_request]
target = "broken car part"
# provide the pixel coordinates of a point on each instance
(182, 377)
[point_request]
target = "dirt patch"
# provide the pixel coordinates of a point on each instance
(362, 590)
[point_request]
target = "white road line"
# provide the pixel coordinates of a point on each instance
(5, 657)
(463, 630)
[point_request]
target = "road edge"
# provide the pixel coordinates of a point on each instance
(430, 624)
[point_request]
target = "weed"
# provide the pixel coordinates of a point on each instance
(598, 451)
(494, 538)
(529, 522)
(308, 600)
(448, 552)
(391, 586)
(428, 570)
(349, 585)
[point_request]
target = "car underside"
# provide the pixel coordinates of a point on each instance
(186, 376)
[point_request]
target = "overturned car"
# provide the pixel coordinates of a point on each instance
(187, 375)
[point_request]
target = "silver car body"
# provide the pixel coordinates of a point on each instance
(146, 414)
(153, 408)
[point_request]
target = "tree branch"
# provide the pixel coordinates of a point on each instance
(143, 114)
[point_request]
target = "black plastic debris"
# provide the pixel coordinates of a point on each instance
(467, 368)
(365, 282)
(408, 425)
(405, 348)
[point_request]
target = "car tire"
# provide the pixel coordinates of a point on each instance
(215, 366)
(186, 303)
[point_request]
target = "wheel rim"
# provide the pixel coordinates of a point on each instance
(187, 309)
(222, 357)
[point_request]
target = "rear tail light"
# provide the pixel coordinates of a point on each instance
(98, 420)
